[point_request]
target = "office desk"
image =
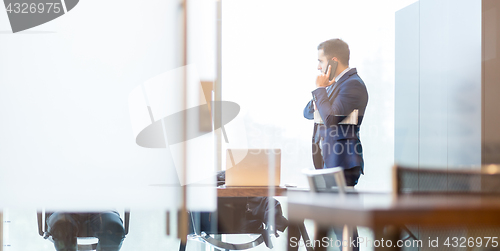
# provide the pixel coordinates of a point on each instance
(249, 191)
(380, 210)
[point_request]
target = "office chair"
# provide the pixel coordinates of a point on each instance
(321, 180)
(233, 216)
(458, 182)
(485, 180)
(328, 180)
(92, 245)
(205, 233)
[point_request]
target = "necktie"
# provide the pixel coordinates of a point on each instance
(329, 90)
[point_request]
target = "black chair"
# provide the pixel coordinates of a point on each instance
(42, 230)
(484, 180)
(234, 215)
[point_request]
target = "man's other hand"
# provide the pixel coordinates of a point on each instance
(322, 80)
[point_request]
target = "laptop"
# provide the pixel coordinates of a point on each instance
(253, 168)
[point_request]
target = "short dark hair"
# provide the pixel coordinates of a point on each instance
(336, 48)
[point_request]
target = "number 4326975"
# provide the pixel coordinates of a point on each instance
(471, 242)
(27, 8)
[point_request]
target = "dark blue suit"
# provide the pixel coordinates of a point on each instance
(341, 144)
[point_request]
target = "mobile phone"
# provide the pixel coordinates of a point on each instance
(334, 64)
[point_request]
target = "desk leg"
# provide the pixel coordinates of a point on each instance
(321, 232)
(389, 236)
(305, 236)
(295, 232)
(347, 236)
(293, 237)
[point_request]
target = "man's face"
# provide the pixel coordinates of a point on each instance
(322, 61)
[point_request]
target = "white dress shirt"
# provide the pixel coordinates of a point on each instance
(317, 117)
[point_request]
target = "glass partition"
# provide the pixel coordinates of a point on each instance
(269, 67)
(87, 120)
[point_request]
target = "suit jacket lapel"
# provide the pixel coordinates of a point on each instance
(341, 80)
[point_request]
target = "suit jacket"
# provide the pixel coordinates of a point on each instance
(341, 143)
(316, 151)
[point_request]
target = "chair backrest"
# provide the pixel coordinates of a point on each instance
(326, 180)
(485, 180)
(236, 215)
(42, 229)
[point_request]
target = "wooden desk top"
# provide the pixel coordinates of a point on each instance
(376, 210)
(248, 191)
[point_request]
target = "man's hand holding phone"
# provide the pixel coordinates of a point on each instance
(323, 79)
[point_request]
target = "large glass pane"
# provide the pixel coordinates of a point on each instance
(73, 102)
(269, 67)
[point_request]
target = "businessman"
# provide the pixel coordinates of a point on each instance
(337, 139)
(337, 108)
